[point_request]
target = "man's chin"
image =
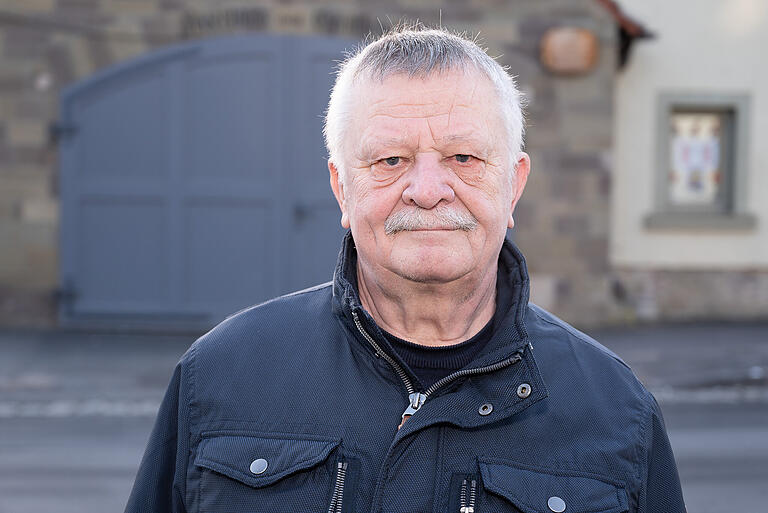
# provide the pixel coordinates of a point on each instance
(432, 267)
(432, 256)
(430, 278)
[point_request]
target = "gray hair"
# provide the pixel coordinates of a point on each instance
(418, 52)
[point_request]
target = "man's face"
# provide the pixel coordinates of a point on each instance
(427, 190)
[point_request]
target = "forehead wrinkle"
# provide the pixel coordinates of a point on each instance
(384, 107)
(475, 142)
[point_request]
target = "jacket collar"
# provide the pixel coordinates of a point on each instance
(510, 334)
(510, 337)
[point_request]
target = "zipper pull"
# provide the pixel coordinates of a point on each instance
(415, 400)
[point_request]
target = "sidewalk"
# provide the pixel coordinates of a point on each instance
(696, 362)
(69, 373)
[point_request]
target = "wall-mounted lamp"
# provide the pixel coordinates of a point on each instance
(569, 50)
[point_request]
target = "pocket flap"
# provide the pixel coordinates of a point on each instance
(535, 490)
(234, 454)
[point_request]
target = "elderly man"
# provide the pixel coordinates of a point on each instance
(420, 379)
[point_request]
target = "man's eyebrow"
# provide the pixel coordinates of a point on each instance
(373, 145)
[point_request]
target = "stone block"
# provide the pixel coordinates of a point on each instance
(35, 105)
(544, 290)
(462, 18)
(581, 161)
(12, 257)
(593, 252)
(599, 223)
(503, 31)
(171, 5)
(40, 210)
(23, 42)
(566, 186)
(24, 182)
(572, 225)
(26, 261)
(524, 215)
(605, 183)
(294, 19)
(77, 5)
(585, 300)
(676, 295)
(26, 132)
(9, 209)
(23, 307)
(327, 21)
(546, 253)
(130, 7)
(421, 4)
(80, 58)
(162, 30)
(532, 28)
(43, 262)
(543, 128)
(15, 75)
(362, 24)
(30, 6)
(106, 53)
(585, 133)
(60, 62)
(38, 157)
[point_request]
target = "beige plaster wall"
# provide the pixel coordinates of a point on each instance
(702, 46)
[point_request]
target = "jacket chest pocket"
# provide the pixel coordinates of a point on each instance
(249, 474)
(502, 486)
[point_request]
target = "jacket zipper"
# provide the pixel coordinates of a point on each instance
(338, 488)
(468, 501)
(417, 399)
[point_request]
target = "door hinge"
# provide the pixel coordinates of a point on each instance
(59, 130)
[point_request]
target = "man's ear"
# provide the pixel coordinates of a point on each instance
(522, 168)
(338, 191)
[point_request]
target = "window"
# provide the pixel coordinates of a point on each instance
(701, 161)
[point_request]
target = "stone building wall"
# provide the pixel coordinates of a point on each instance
(563, 219)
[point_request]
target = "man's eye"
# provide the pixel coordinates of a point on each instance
(392, 161)
(462, 158)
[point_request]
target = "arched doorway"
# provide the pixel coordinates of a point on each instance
(193, 181)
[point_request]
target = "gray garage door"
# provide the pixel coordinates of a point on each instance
(193, 181)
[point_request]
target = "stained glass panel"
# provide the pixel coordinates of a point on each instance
(695, 160)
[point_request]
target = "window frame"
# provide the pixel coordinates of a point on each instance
(733, 214)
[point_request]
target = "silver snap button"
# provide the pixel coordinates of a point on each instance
(556, 504)
(523, 390)
(485, 409)
(259, 466)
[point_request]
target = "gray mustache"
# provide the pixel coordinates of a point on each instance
(429, 219)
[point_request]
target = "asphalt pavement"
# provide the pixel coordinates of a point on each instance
(76, 409)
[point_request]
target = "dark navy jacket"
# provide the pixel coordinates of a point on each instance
(294, 405)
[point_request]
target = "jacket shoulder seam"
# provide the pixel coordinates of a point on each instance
(578, 335)
(302, 292)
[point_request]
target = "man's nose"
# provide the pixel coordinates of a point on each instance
(428, 182)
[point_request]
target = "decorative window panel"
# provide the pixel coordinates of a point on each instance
(700, 162)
